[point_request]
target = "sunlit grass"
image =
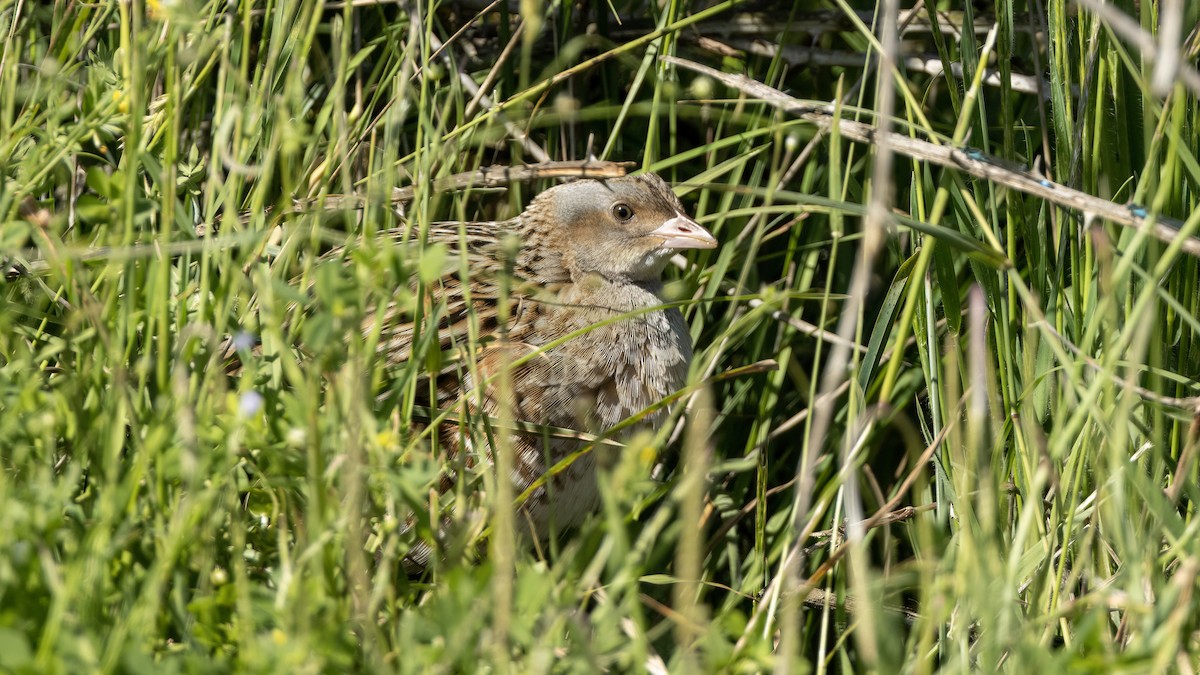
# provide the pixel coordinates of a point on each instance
(1022, 375)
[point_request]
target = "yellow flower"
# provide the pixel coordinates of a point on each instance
(647, 455)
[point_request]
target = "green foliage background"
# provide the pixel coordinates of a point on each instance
(174, 172)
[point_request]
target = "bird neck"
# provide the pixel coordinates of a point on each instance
(644, 273)
(620, 290)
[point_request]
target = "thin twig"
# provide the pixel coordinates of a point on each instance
(970, 161)
(485, 177)
(931, 65)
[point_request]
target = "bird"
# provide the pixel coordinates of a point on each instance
(581, 313)
(569, 294)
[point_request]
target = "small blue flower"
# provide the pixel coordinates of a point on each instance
(250, 403)
(244, 340)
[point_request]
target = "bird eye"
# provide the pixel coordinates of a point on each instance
(622, 212)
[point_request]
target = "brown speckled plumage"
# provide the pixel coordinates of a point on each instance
(585, 252)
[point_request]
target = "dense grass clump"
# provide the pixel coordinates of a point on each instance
(944, 413)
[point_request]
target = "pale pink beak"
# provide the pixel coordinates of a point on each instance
(683, 232)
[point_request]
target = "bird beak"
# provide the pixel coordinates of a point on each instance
(683, 232)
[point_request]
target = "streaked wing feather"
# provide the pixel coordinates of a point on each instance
(454, 302)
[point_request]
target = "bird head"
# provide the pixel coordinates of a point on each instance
(620, 228)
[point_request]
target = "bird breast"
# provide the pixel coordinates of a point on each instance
(626, 360)
(627, 357)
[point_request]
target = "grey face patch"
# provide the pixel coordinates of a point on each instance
(583, 201)
(590, 202)
(597, 237)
